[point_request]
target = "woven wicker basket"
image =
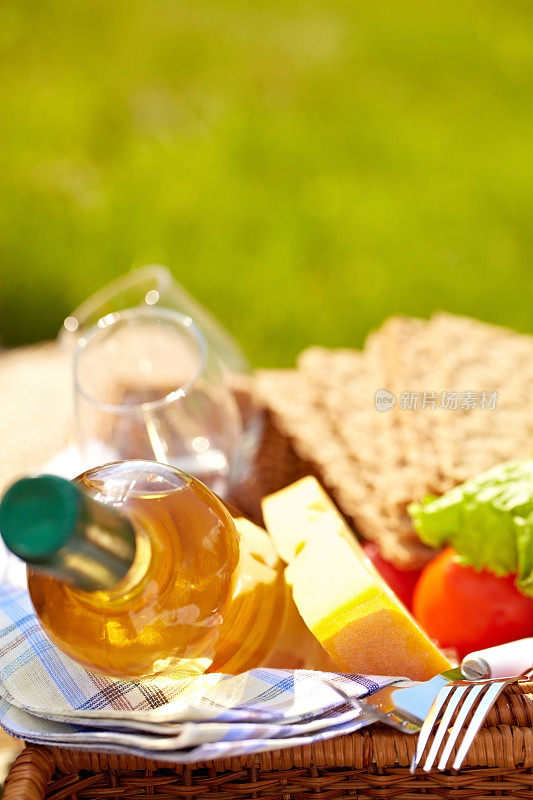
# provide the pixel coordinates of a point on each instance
(372, 763)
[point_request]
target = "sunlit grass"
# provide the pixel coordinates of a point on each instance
(305, 169)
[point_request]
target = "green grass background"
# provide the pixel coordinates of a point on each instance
(304, 168)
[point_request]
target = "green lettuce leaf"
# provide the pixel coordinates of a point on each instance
(488, 520)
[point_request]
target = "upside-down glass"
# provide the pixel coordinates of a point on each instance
(154, 287)
(147, 386)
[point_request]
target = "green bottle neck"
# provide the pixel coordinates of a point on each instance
(55, 527)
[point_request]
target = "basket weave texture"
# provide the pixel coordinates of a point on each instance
(372, 763)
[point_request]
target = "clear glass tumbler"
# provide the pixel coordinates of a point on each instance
(147, 386)
(153, 286)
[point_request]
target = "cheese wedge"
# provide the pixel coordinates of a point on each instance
(341, 597)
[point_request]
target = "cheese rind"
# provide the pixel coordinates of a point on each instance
(341, 597)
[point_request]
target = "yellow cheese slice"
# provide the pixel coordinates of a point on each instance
(341, 597)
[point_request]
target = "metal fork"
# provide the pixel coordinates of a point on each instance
(460, 696)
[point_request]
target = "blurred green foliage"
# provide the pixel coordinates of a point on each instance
(304, 168)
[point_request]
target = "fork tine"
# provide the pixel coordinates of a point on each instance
(429, 722)
(477, 721)
(475, 690)
(454, 699)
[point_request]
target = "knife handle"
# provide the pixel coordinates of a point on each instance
(502, 661)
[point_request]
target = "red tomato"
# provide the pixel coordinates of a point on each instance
(470, 610)
(401, 581)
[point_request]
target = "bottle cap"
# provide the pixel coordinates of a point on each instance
(39, 515)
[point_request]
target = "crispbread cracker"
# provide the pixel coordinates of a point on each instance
(347, 383)
(374, 463)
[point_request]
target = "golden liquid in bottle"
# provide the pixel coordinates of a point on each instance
(192, 598)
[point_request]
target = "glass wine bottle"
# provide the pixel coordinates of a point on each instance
(136, 568)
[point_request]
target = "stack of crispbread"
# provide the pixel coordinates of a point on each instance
(375, 462)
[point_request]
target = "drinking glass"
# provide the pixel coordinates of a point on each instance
(154, 287)
(148, 386)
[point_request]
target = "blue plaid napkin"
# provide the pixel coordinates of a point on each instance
(49, 699)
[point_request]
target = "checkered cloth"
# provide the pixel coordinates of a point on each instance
(49, 699)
